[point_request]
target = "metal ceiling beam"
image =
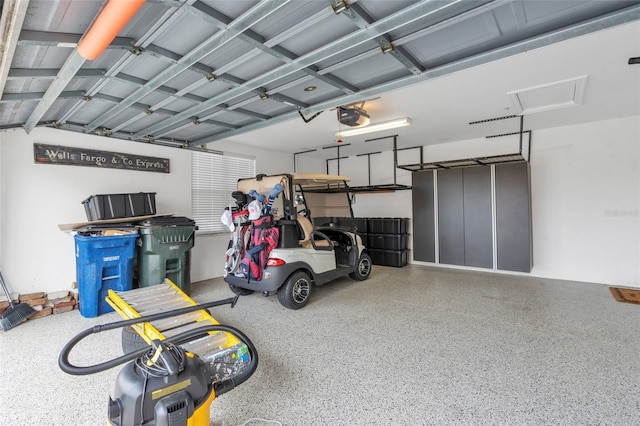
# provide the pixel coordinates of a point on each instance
(163, 23)
(23, 73)
(44, 38)
(404, 17)
(286, 100)
(236, 108)
(362, 19)
(215, 42)
(36, 96)
(610, 20)
(253, 114)
(76, 127)
(400, 41)
(175, 93)
(52, 39)
(178, 95)
(13, 14)
(209, 74)
(41, 38)
(403, 40)
(68, 70)
(479, 10)
(175, 59)
(145, 111)
(207, 119)
(226, 78)
(258, 42)
(220, 20)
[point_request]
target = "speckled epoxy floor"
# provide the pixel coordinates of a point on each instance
(410, 346)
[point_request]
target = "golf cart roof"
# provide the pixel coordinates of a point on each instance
(306, 180)
(317, 178)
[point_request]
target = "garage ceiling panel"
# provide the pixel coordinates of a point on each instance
(258, 46)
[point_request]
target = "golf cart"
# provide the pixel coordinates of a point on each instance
(274, 246)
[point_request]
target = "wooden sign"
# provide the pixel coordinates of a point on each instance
(54, 154)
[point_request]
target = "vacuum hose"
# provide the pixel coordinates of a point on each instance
(219, 387)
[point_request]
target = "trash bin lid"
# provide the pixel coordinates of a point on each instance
(100, 229)
(168, 221)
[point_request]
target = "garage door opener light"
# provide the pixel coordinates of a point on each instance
(387, 125)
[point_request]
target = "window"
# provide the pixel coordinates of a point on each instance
(213, 179)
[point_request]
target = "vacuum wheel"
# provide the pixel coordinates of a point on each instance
(131, 341)
(295, 292)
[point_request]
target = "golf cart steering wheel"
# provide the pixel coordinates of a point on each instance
(322, 236)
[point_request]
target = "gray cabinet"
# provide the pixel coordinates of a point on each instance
(513, 217)
(424, 240)
(451, 216)
(477, 208)
(464, 217)
(478, 236)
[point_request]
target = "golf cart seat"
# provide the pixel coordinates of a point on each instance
(307, 229)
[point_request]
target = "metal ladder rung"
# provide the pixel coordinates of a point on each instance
(153, 297)
(209, 344)
(177, 321)
(143, 306)
(146, 309)
(143, 290)
(159, 292)
(187, 327)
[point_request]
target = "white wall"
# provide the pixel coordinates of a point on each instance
(36, 255)
(585, 188)
(585, 185)
(585, 191)
(584, 179)
(35, 198)
(306, 164)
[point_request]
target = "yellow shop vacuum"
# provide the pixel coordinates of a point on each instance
(164, 384)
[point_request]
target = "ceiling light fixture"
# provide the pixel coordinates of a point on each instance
(310, 89)
(386, 125)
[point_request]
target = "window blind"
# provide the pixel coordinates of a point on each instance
(213, 179)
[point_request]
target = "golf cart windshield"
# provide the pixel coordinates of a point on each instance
(322, 194)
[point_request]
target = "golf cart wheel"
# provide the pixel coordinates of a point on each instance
(239, 290)
(131, 341)
(295, 292)
(363, 270)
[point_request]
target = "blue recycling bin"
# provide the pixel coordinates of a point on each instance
(103, 263)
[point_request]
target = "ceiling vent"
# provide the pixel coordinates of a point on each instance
(559, 94)
(353, 116)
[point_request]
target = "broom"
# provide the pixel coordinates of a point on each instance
(15, 314)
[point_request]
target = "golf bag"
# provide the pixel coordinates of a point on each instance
(238, 243)
(263, 239)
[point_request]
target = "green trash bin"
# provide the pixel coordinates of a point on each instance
(163, 251)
